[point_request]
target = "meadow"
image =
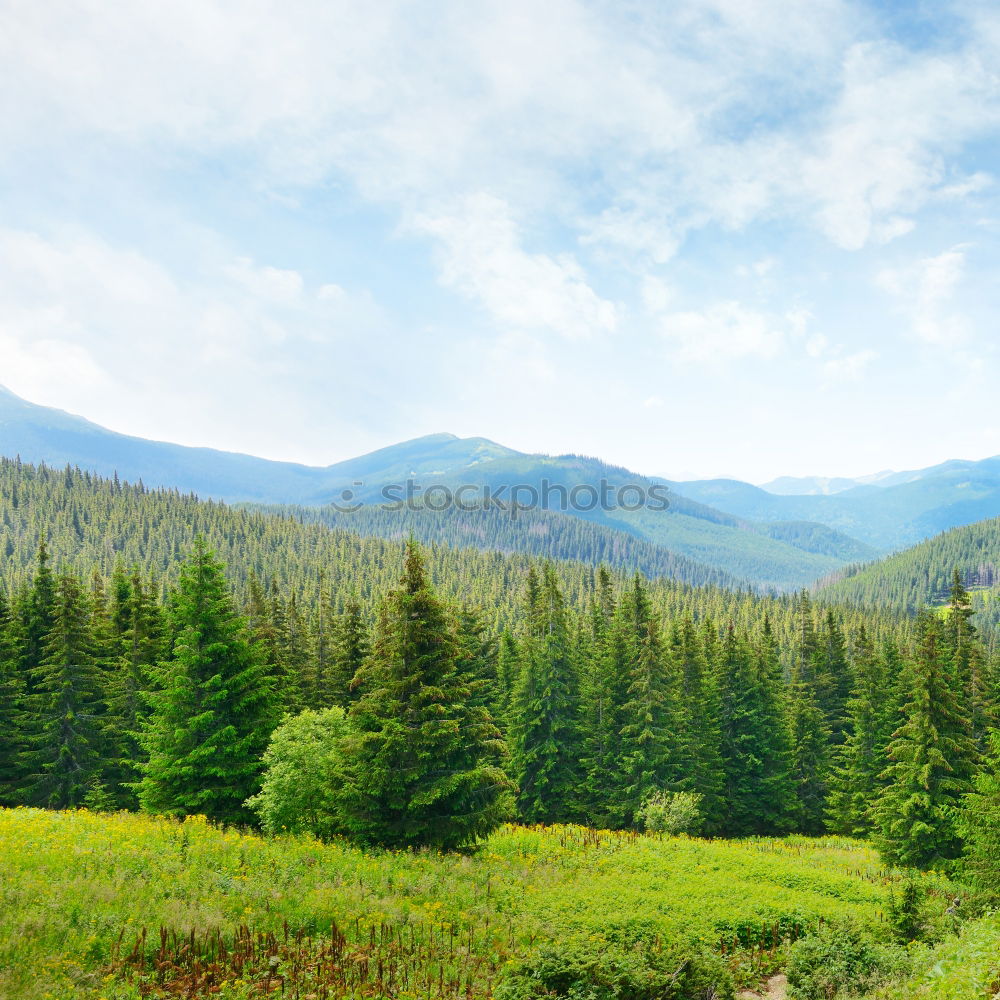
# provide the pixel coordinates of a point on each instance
(121, 906)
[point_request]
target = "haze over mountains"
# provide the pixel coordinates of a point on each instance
(733, 529)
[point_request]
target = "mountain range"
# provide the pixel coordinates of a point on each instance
(734, 530)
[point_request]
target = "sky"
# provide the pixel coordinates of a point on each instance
(723, 237)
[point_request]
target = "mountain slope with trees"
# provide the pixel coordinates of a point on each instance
(781, 556)
(921, 576)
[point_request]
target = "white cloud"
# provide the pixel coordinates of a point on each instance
(723, 332)
(924, 291)
(686, 115)
(99, 329)
(482, 258)
(851, 366)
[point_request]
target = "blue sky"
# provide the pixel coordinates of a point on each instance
(730, 237)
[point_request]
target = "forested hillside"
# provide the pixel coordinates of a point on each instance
(368, 693)
(724, 547)
(921, 576)
(751, 702)
(89, 522)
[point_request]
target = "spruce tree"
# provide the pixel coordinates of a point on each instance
(604, 691)
(856, 781)
(647, 743)
(701, 735)
(423, 765)
(139, 622)
(11, 705)
(811, 737)
(545, 730)
(756, 751)
(351, 646)
(932, 757)
(63, 739)
(37, 610)
(213, 709)
(980, 824)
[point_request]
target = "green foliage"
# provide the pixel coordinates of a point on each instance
(980, 824)
(303, 771)
(932, 759)
(545, 713)
(923, 575)
(64, 728)
(213, 709)
(905, 912)
(842, 960)
(583, 970)
(74, 882)
(423, 763)
(672, 813)
(961, 968)
(756, 747)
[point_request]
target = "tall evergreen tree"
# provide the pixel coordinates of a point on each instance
(63, 742)
(423, 766)
(11, 699)
(811, 737)
(213, 709)
(604, 691)
(546, 709)
(970, 662)
(932, 757)
(701, 734)
(351, 647)
(647, 743)
(874, 709)
(142, 644)
(980, 824)
(37, 614)
(755, 742)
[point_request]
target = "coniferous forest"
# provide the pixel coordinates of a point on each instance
(146, 664)
(169, 657)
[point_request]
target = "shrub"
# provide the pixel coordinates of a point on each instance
(302, 775)
(672, 812)
(842, 960)
(587, 970)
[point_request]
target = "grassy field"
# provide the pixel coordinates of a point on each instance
(122, 906)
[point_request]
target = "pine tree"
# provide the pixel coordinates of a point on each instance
(856, 782)
(37, 612)
(214, 707)
(477, 660)
(701, 734)
(980, 823)
(755, 740)
(969, 659)
(604, 691)
(810, 734)
(545, 729)
(833, 682)
(141, 638)
(64, 735)
(931, 757)
(11, 705)
(424, 767)
(351, 647)
(647, 746)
